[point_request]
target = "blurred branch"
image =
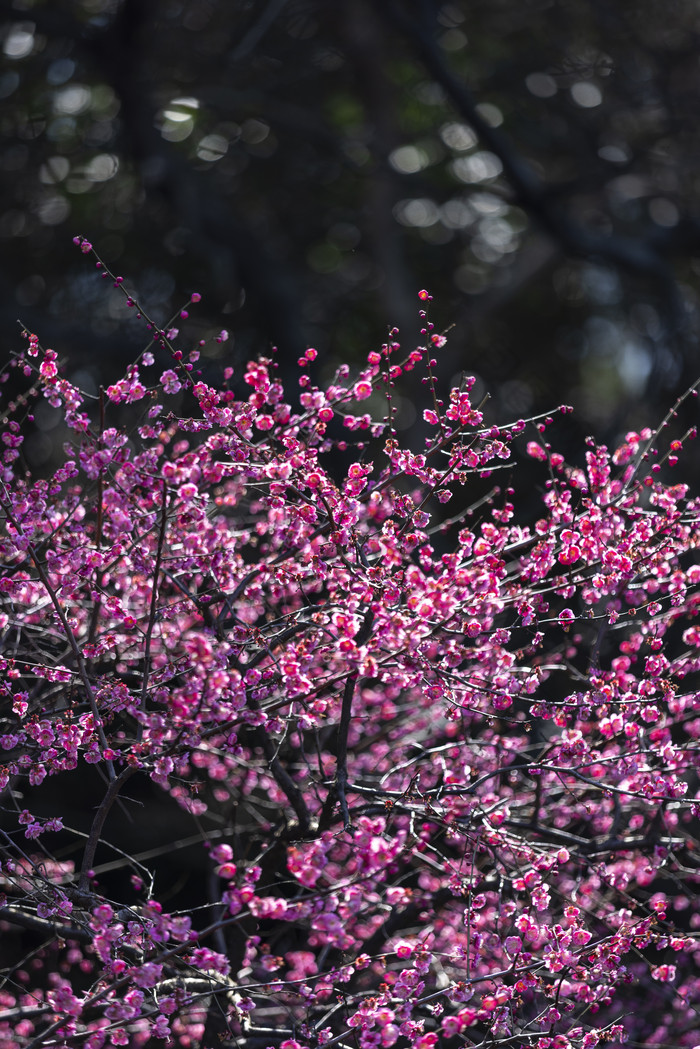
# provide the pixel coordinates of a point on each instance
(257, 31)
(531, 193)
(639, 255)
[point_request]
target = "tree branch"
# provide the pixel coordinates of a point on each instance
(97, 824)
(338, 789)
(639, 255)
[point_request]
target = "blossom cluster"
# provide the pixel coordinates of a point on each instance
(442, 770)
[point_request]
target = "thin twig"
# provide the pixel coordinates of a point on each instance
(341, 775)
(154, 598)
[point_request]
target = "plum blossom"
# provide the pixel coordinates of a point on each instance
(430, 776)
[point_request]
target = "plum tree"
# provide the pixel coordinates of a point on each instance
(440, 765)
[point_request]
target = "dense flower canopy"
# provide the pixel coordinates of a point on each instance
(443, 768)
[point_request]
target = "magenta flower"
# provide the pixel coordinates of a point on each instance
(410, 801)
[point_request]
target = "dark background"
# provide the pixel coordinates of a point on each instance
(308, 165)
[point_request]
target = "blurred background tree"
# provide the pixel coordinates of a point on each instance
(309, 165)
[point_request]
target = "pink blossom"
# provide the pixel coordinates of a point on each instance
(362, 390)
(170, 382)
(421, 759)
